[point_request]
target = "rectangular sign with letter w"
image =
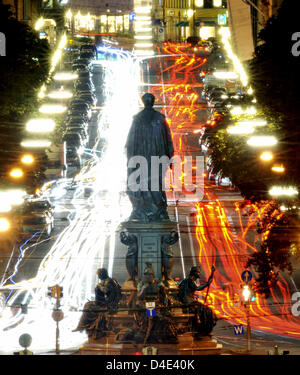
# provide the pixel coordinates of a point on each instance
(238, 329)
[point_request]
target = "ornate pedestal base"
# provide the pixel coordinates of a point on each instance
(148, 243)
(187, 344)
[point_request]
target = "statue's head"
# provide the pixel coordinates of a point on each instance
(148, 100)
(102, 273)
(195, 272)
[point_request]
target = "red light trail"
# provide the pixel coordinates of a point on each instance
(218, 243)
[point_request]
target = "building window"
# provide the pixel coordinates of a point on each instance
(217, 3)
(26, 9)
(208, 4)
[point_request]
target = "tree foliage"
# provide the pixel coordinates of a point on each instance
(275, 78)
(24, 68)
(22, 72)
(234, 158)
(280, 234)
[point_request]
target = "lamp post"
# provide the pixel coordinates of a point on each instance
(246, 292)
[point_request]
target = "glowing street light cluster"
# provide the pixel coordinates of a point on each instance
(262, 141)
(54, 61)
(278, 168)
(65, 76)
(225, 34)
(266, 156)
(246, 127)
(60, 94)
(4, 224)
(32, 143)
(40, 125)
(143, 31)
(238, 129)
(278, 191)
(47, 125)
(52, 108)
(11, 197)
(27, 159)
(226, 75)
(238, 110)
(16, 173)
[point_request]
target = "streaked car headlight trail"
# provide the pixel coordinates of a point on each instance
(79, 249)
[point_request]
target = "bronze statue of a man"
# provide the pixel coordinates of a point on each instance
(149, 137)
(107, 296)
(204, 318)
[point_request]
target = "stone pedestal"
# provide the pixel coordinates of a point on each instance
(150, 240)
(186, 345)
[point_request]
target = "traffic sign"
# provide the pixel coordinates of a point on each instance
(25, 340)
(238, 329)
(161, 30)
(132, 16)
(222, 19)
(150, 312)
(246, 276)
(150, 309)
(150, 305)
(57, 315)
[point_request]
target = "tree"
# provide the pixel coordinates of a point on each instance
(24, 68)
(232, 157)
(280, 236)
(23, 71)
(275, 78)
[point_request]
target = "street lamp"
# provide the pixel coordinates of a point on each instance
(10, 198)
(278, 168)
(27, 159)
(225, 75)
(5, 206)
(253, 123)
(283, 191)
(65, 76)
(16, 173)
(247, 293)
(60, 94)
(4, 224)
(41, 93)
(35, 143)
(261, 141)
(240, 129)
(40, 125)
(266, 156)
(238, 111)
(52, 108)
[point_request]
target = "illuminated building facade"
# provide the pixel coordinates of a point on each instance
(107, 16)
(179, 19)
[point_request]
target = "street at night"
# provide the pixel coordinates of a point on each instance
(218, 238)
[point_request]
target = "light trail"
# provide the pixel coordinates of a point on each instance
(217, 243)
(80, 248)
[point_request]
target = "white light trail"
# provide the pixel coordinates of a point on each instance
(80, 249)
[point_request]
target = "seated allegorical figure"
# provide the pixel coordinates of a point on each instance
(107, 296)
(204, 318)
